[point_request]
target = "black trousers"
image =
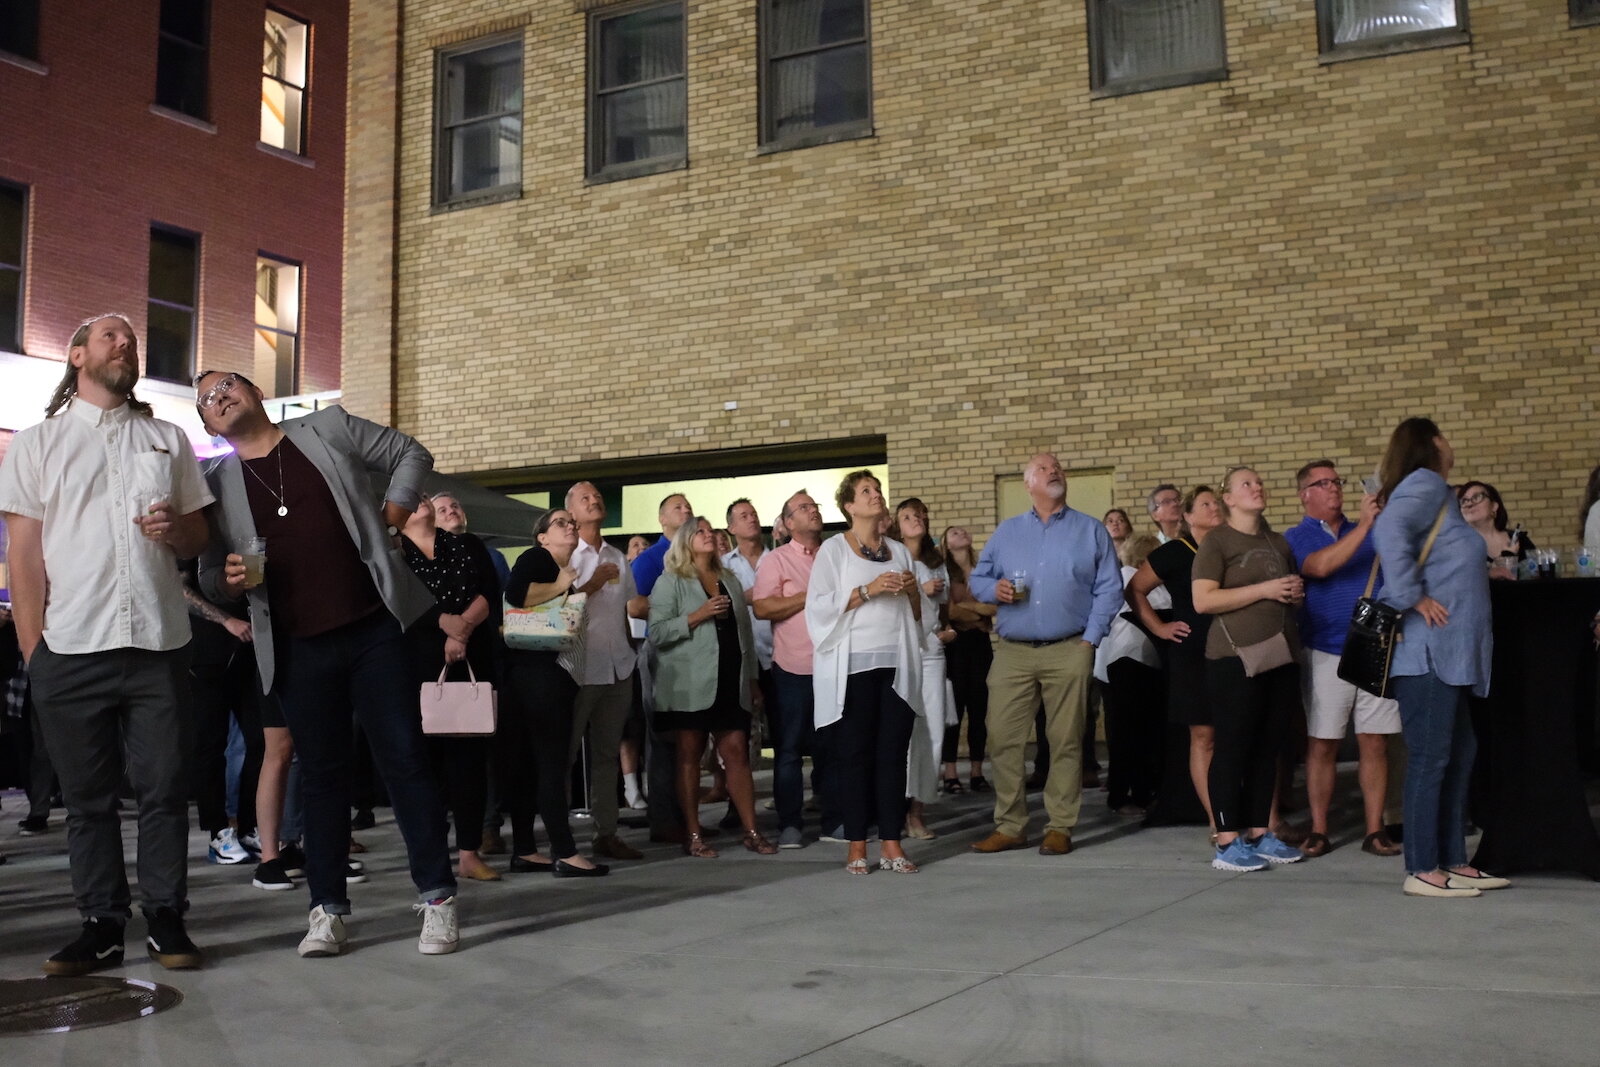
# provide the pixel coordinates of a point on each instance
(1252, 718)
(535, 732)
(222, 691)
(870, 743)
(966, 661)
(1136, 719)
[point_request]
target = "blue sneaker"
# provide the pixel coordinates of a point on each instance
(225, 848)
(1271, 849)
(1238, 856)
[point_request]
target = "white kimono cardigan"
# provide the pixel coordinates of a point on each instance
(829, 625)
(927, 739)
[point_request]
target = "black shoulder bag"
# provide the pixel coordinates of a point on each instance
(1374, 629)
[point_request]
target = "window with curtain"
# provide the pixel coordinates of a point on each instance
(173, 303)
(278, 322)
(283, 81)
(638, 94)
(1135, 45)
(478, 147)
(19, 28)
(181, 56)
(1365, 27)
(816, 71)
(13, 228)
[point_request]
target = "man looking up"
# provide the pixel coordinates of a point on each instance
(1166, 511)
(328, 625)
(101, 500)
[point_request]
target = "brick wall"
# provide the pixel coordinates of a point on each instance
(1271, 268)
(101, 167)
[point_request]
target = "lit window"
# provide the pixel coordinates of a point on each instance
(478, 109)
(283, 82)
(181, 56)
(638, 95)
(1373, 27)
(13, 222)
(1136, 45)
(174, 297)
(19, 28)
(278, 322)
(816, 71)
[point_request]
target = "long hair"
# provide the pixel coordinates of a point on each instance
(1590, 496)
(924, 551)
(680, 556)
(68, 386)
(1410, 449)
(958, 570)
(1500, 520)
(1185, 531)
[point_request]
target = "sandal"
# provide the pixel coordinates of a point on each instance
(857, 866)
(978, 784)
(758, 844)
(696, 846)
(1316, 845)
(952, 786)
(899, 865)
(919, 831)
(1379, 844)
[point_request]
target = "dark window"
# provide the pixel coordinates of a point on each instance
(1136, 45)
(285, 48)
(1353, 28)
(1584, 12)
(19, 28)
(478, 109)
(638, 95)
(278, 322)
(816, 71)
(174, 296)
(13, 230)
(181, 56)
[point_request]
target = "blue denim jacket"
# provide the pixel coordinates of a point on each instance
(1454, 574)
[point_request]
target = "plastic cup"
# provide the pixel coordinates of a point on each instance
(255, 561)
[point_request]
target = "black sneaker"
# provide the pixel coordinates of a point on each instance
(169, 944)
(98, 947)
(33, 826)
(271, 876)
(294, 861)
(355, 872)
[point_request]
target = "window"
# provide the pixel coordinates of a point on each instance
(13, 227)
(283, 82)
(278, 322)
(19, 28)
(1135, 45)
(1584, 12)
(478, 151)
(174, 295)
(181, 56)
(638, 95)
(1354, 28)
(816, 71)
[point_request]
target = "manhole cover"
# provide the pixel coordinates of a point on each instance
(51, 1005)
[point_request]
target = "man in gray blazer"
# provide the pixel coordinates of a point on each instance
(329, 619)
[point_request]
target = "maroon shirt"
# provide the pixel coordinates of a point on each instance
(316, 578)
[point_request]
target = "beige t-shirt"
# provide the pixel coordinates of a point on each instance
(1232, 559)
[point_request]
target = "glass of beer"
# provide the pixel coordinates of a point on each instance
(1019, 587)
(255, 561)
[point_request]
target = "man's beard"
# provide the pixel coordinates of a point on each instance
(1056, 491)
(114, 377)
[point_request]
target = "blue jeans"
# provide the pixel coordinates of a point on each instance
(795, 736)
(362, 667)
(1441, 746)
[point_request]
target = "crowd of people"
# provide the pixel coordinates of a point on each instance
(873, 653)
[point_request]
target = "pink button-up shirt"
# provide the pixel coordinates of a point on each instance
(785, 571)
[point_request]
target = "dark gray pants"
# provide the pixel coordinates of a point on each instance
(97, 712)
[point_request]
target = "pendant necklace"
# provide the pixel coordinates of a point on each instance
(283, 509)
(877, 555)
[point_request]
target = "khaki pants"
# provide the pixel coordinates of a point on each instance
(602, 711)
(1019, 681)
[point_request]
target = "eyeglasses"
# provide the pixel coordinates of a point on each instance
(1325, 483)
(564, 522)
(801, 507)
(1473, 499)
(1167, 501)
(212, 395)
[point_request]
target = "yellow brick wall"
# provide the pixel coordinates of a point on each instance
(1271, 268)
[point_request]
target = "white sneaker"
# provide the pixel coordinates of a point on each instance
(439, 934)
(225, 848)
(326, 937)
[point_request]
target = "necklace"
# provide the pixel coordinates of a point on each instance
(283, 509)
(876, 555)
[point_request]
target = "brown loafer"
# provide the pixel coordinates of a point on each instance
(999, 842)
(1055, 843)
(1316, 845)
(1378, 844)
(1291, 835)
(613, 847)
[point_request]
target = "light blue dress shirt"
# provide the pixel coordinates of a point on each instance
(1458, 652)
(1074, 580)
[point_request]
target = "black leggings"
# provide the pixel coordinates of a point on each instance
(1252, 718)
(1136, 731)
(461, 767)
(872, 740)
(967, 661)
(532, 764)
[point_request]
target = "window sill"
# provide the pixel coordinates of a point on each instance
(285, 154)
(488, 196)
(1420, 42)
(24, 62)
(637, 170)
(830, 135)
(1162, 81)
(183, 120)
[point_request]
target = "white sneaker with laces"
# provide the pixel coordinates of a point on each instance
(326, 936)
(225, 848)
(439, 931)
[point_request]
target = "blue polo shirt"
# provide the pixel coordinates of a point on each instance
(1075, 582)
(648, 565)
(1325, 616)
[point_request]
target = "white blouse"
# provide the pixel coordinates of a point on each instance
(882, 631)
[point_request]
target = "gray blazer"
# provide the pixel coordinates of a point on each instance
(345, 449)
(686, 660)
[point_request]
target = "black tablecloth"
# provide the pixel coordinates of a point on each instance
(1529, 791)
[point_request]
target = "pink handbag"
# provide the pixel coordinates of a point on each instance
(458, 709)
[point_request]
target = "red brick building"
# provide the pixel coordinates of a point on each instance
(180, 161)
